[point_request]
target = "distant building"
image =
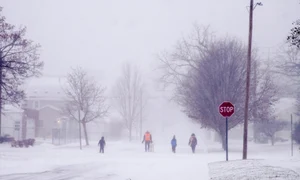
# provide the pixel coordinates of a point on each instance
(45, 102)
(42, 116)
(29, 121)
(47, 105)
(13, 123)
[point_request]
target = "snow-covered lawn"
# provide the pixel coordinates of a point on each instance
(251, 169)
(124, 160)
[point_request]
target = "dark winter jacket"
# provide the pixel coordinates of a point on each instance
(102, 142)
(193, 141)
(174, 142)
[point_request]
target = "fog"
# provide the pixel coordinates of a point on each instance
(101, 36)
(39, 140)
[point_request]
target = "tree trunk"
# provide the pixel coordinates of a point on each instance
(223, 141)
(273, 140)
(255, 132)
(85, 133)
(136, 133)
(130, 133)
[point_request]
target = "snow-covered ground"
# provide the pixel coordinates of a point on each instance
(252, 169)
(124, 160)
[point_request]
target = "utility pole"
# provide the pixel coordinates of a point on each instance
(245, 139)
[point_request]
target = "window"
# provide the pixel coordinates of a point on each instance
(17, 125)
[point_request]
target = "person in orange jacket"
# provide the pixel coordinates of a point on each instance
(147, 139)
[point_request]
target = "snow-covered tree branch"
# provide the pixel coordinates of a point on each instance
(85, 96)
(206, 71)
(128, 94)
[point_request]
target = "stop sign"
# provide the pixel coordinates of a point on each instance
(226, 109)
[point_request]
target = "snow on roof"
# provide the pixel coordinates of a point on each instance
(46, 88)
(49, 106)
(50, 86)
(46, 92)
(47, 97)
(46, 81)
(11, 108)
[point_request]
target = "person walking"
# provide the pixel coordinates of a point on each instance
(147, 139)
(193, 142)
(174, 144)
(101, 144)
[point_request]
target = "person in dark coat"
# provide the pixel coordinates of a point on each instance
(102, 145)
(193, 142)
(174, 144)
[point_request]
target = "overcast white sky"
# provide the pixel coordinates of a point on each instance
(102, 34)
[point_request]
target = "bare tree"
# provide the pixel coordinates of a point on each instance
(19, 60)
(206, 71)
(84, 95)
(128, 97)
(294, 37)
(264, 95)
(288, 62)
(270, 127)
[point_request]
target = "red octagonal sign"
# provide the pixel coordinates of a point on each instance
(226, 109)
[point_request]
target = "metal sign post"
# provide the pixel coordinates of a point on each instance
(226, 109)
(226, 138)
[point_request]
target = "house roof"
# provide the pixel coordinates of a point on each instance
(10, 108)
(51, 107)
(45, 87)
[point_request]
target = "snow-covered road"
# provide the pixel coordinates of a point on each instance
(80, 171)
(123, 161)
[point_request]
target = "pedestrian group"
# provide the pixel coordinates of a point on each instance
(149, 145)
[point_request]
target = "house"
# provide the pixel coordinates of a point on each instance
(45, 102)
(42, 116)
(29, 120)
(11, 121)
(48, 119)
(47, 107)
